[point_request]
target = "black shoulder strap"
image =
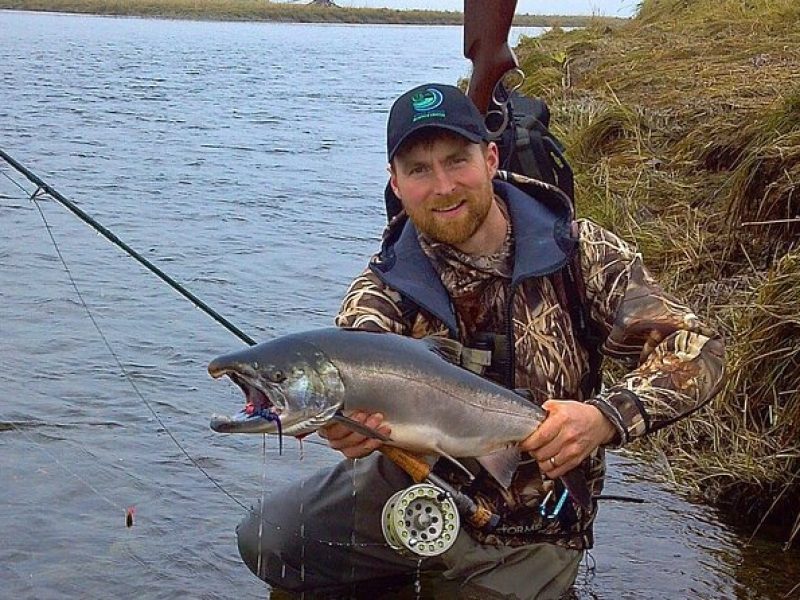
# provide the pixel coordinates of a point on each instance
(530, 153)
(529, 148)
(586, 330)
(537, 153)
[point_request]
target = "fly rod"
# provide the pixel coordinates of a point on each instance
(110, 236)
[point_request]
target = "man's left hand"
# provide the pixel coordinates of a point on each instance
(570, 433)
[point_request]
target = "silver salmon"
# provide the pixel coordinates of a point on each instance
(297, 383)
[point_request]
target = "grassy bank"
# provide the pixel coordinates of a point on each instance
(261, 10)
(683, 126)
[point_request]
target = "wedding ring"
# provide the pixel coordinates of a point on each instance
(553, 461)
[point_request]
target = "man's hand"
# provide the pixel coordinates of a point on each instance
(571, 431)
(350, 443)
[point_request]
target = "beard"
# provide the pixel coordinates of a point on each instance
(454, 230)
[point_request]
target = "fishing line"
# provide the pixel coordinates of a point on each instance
(14, 181)
(128, 511)
(110, 236)
(122, 368)
(590, 567)
(54, 458)
(263, 490)
(44, 189)
(120, 507)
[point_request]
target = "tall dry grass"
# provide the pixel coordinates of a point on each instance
(683, 127)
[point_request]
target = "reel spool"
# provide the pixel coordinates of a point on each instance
(421, 519)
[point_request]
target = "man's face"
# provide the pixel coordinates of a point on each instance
(445, 185)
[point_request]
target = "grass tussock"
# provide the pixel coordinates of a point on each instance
(767, 367)
(763, 188)
(683, 127)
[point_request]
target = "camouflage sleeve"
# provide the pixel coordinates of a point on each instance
(372, 306)
(677, 361)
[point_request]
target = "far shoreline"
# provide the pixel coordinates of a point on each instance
(260, 11)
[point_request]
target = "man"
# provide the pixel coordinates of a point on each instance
(478, 259)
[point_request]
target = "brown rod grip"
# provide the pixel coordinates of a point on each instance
(410, 463)
(486, 27)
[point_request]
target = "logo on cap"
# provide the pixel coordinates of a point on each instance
(427, 100)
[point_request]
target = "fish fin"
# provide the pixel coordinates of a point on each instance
(457, 463)
(448, 349)
(575, 482)
(501, 464)
(354, 425)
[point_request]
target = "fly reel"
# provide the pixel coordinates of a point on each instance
(421, 519)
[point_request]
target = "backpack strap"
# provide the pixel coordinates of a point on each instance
(586, 329)
(529, 152)
(561, 169)
(539, 155)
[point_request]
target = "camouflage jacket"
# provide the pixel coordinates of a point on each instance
(418, 288)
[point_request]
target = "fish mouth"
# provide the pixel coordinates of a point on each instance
(260, 414)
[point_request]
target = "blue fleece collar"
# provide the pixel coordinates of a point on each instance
(542, 245)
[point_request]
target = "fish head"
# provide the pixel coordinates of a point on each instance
(290, 387)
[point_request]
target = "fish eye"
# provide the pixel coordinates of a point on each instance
(278, 376)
